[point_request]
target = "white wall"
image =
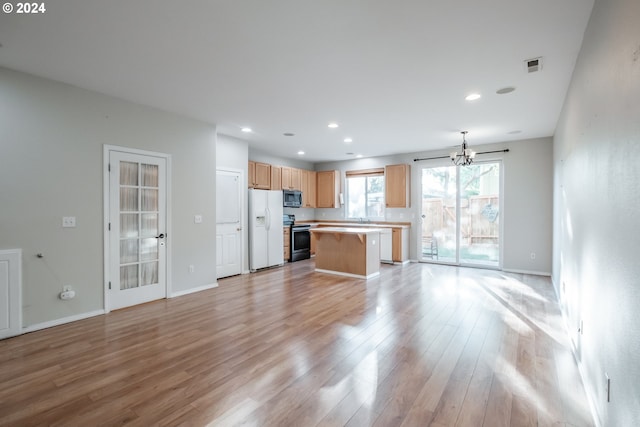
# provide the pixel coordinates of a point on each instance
(527, 216)
(596, 202)
(52, 138)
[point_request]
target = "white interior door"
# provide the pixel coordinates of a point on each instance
(228, 223)
(137, 229)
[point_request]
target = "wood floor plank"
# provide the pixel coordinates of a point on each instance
(420, 345)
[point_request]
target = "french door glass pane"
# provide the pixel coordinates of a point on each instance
(149, 274)
(479, 214)
(128, 199)
(149, 200)
(439, 225)
(128, 173)
(149, 249)
(128, 276)
(128, 225)
(128, 251)
(149, 175)
(149, 225)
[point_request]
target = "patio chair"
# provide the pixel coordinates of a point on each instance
(430, 247)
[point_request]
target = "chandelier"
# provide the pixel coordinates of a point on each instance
(466, 156)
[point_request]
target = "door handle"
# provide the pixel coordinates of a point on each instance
(161, 236)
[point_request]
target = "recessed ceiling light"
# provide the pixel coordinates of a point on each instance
(505, 90)
(349, 154)
(300, 153)
(473, 96)
(333, 125)
(359, 156)
(348, 140)
(246, 130)
(288, 134)
(514, 132)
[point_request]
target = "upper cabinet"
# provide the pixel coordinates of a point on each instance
(259, 175)
(308, 185)
(291, 178)
(397, 180)
(276, 177)
(328, 189)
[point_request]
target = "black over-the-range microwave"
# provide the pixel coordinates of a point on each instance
(291, 198)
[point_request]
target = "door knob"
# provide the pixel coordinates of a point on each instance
(161, 236)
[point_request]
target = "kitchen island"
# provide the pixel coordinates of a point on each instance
(348, 251)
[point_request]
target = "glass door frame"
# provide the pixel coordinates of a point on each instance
(457, 262)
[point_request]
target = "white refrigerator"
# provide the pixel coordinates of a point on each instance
(265, 229)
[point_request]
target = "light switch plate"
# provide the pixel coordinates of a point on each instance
(68, 221)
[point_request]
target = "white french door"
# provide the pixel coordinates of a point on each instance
(229, 191)
(461, 214)
(137, 229)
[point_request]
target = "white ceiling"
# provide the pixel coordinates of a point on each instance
(392, 73)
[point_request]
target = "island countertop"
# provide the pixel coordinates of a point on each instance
(353, 224)
(345, 230)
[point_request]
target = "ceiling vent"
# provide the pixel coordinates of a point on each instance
(533, 65)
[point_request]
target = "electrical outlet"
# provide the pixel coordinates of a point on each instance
(533, 255)
(68, 221)
(607, 387)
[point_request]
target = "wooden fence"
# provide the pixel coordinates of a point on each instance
(479, 219)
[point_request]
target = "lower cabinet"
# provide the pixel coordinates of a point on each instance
(286, 240)
(400, 245)
(312, 248)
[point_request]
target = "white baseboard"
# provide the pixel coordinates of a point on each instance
(62, 321)
(193, 290)
(532, 272)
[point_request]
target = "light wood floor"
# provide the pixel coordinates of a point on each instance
(422, 345)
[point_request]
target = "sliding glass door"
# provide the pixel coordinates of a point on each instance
(461, 214)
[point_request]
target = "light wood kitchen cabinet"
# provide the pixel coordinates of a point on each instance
(291, 178)
(400, 244)
(252, 174)
(312, 248)
(276, 177)
(397, 180)
(308, 185)
(259, 175)
(286, 240)
(328, 189)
